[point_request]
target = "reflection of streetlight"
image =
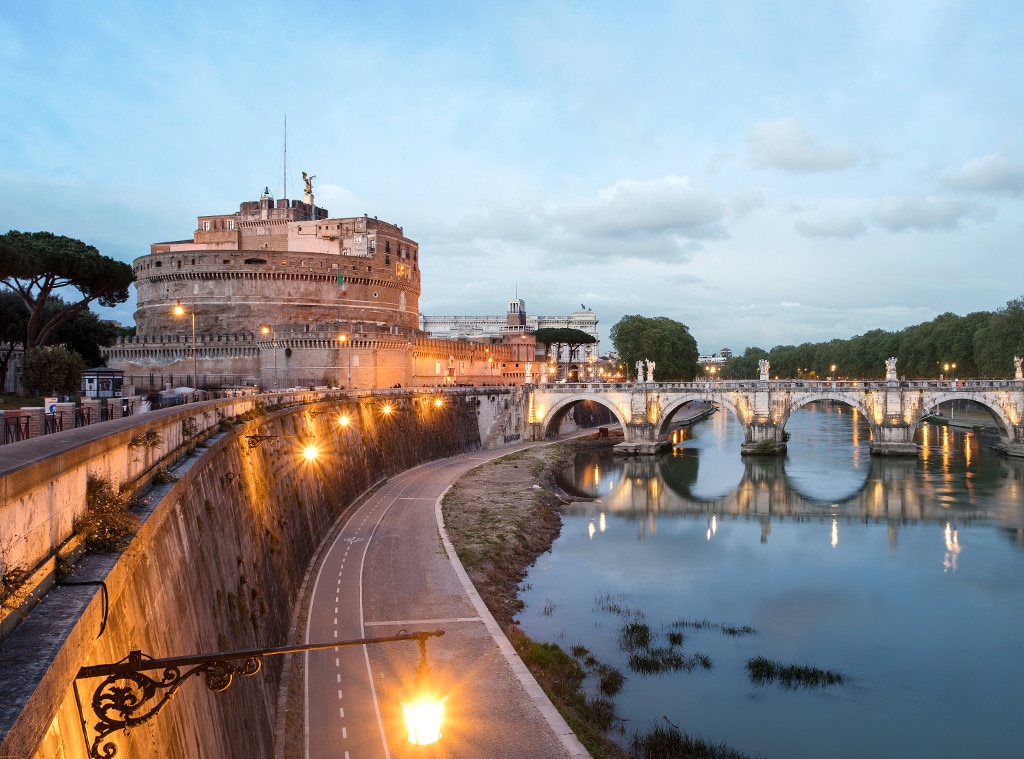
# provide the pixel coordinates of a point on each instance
(267, 330)
(179, 310)
(127, 697)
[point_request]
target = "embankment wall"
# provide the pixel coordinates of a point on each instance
(216, 566)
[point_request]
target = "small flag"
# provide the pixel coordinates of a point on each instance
(341, 281)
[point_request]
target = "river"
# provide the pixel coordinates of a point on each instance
(905, 575)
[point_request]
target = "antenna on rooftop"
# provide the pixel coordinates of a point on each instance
(285, 196)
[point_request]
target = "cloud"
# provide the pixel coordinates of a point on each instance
(745, 203)
(663, 220)
(785, 145)
(995, 174)
(926, 214)
(845, 227)
(650, 208)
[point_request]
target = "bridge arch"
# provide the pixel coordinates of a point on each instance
(798, 402)
(552, 417)
(935, 398)
(680, 400)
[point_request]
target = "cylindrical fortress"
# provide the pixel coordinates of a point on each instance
(280, 295)
(258, 267)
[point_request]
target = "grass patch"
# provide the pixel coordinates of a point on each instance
(562, 677)
(707, 624)
(635, 636)
(670, 742)
(764, 671)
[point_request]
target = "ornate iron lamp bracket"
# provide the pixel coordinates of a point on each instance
(129, 697)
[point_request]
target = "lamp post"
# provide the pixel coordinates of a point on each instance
(343, 339)
(179, 310)
(127, 697)
(270, 330)
(832, 379)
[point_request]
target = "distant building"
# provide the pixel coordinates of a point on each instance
(514, 323)
(715, 358)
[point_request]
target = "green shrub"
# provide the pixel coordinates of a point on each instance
(107, 524)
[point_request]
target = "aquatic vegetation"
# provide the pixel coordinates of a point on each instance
(661, 742)
(609, 604)
(707, 624)
(634, 635)
(609, 679)
(763, 671)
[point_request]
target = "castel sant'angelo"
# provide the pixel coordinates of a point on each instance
(281, 295)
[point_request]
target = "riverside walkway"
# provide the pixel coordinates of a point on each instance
(395, 553)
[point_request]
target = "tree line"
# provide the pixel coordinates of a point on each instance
(981, 344)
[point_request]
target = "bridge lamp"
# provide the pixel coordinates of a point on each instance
(833, 367)
(387, 409)
(438, 402)
(310, 452)
(343, 420)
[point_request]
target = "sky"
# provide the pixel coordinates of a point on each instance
(767, 173)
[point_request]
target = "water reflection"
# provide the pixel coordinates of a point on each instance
(701, 477)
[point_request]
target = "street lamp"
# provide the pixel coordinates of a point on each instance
(833, 377)
(267, 330)
(343, 339)
(179, 310)
(127, 698)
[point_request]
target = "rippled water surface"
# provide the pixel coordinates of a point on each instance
(907, 575)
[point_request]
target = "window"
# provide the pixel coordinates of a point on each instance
(231, 223)
(206, 226)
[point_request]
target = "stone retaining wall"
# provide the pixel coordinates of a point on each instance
(214, 567)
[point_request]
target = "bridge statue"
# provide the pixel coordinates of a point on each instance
(528, 380)
(764, 367)
(640, 371)
(890, 368)
(650, 370)
(1017, 361)
(543, 374)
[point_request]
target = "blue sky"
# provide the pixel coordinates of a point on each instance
(764, 172)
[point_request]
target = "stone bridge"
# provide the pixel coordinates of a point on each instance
(893, 409)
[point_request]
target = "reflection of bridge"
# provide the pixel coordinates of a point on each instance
(646, 487)
(892, 409)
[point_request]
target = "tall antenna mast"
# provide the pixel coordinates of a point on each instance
(285, 196)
